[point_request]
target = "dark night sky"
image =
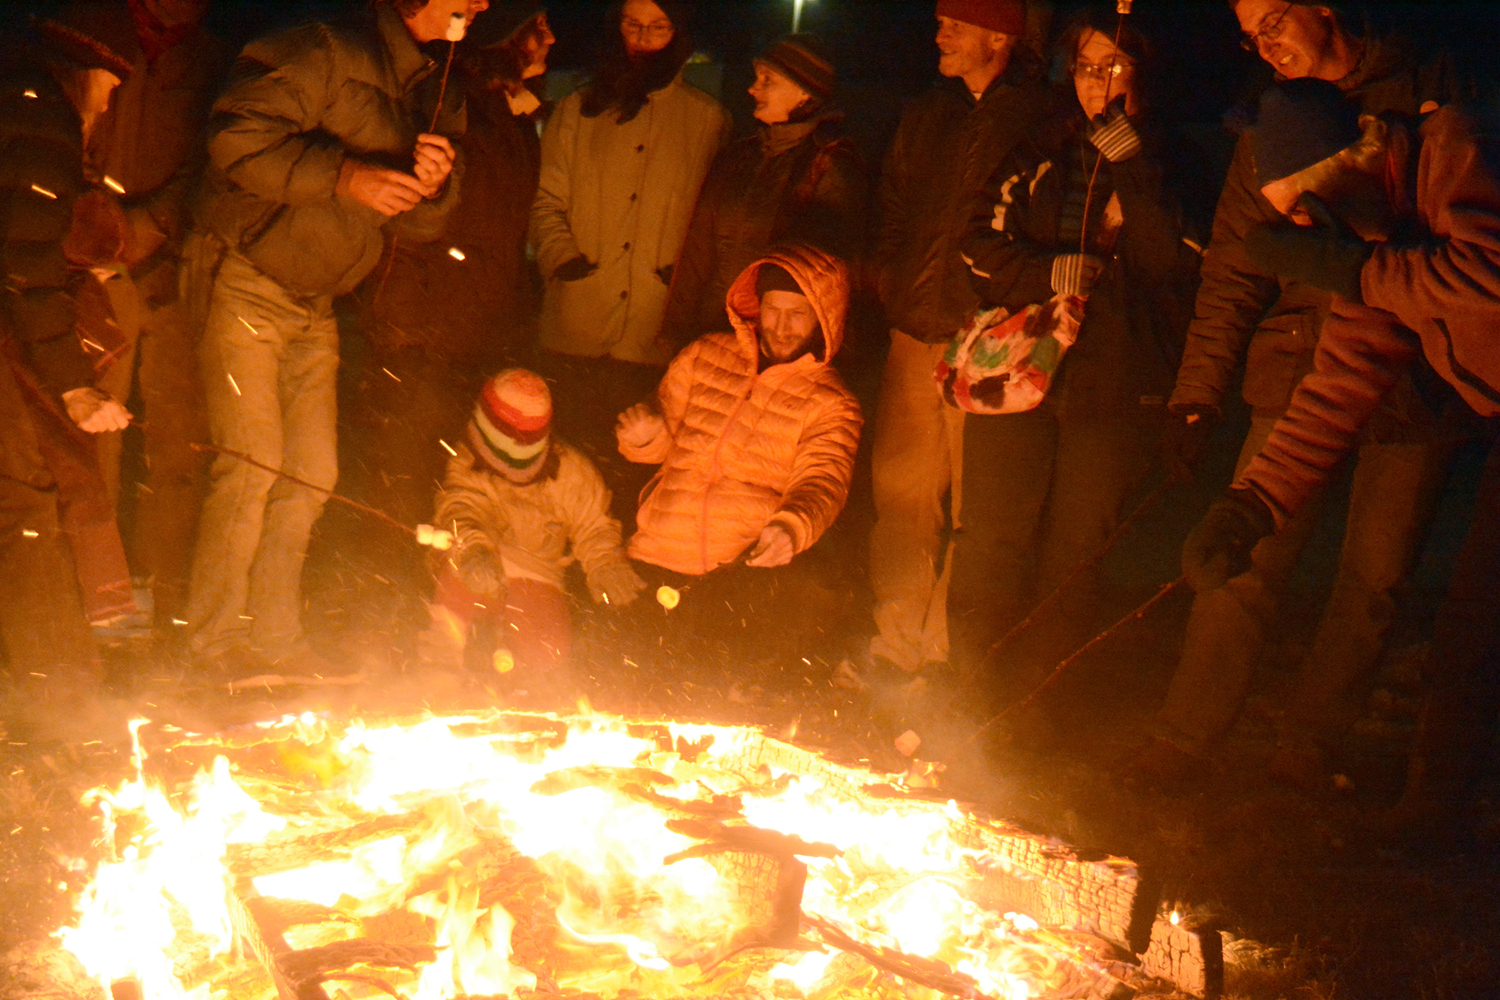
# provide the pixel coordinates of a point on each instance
(885, 50)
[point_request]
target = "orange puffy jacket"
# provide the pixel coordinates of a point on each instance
(741, 449)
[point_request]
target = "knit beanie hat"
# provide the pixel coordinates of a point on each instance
(803, 60)
(510, 429)
(775, 278)
(500, 23)
(1301, 122)
(94, 35)
(1005, 16)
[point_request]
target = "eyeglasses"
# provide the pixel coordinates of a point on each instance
(1089, 71)
(656, 29)
(1266, 33)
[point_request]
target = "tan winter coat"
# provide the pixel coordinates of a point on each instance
(620, 195)
(535, 530)
(741, 449)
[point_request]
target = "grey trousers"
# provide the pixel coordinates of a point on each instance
(1393, 497)
(269, 359)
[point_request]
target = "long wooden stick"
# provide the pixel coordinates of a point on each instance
(1057, 672)
(1124, 526)
(281, 474)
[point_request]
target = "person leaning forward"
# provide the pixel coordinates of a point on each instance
(1402, 226)
(1271, 324)
(947, 145)
(318, 150)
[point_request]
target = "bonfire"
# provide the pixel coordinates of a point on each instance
(536, 856)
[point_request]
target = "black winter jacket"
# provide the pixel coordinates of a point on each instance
(794, 182)
(1128, 349)
(1245, 315)
(945, 148)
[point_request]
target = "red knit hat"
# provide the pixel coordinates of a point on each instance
(1005, 16)
(511, 426)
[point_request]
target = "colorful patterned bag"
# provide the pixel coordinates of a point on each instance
(1003, 362)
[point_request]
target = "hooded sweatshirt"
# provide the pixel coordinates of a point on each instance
(742, 448)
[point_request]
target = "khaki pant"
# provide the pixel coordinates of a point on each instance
(917, 461)
(269, 361)
(1393, 497)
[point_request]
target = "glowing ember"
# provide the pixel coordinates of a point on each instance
(585, 854)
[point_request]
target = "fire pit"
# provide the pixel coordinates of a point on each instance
(507, 854)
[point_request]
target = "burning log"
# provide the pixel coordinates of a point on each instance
(648, 859)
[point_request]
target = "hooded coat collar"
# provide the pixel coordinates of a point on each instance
(823, 277)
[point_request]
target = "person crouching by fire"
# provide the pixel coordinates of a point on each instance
(522, 507)
(755, 435)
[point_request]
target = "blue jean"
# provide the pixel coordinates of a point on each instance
(269, 359)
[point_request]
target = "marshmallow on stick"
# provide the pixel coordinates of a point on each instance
(456, 27)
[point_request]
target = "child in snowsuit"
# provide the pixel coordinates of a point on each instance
(522, 506)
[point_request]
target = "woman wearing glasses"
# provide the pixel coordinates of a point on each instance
(1083, 208)
(622, 162)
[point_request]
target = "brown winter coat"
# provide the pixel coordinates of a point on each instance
(473, 309)
(41, 175)
(150, 142)
(1243, 315)
(298, 104)
(797, 182)
(1435, 294)
(743, 448)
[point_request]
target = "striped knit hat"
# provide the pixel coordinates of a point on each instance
(803, 60)
(510, 429)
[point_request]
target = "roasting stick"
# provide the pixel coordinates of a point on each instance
(457, 28)
(1146, 505)
(425, 534)
(1057, 672)
(280, 474)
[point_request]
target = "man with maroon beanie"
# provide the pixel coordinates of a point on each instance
(948, 144)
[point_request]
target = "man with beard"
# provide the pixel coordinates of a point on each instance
(622, 161)
(948, 144)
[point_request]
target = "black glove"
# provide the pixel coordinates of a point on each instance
(1218, 549)
(1326, 255)
(575, 269)
(1113, 134)
(1184, 439)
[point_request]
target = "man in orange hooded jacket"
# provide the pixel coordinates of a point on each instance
(755, 434)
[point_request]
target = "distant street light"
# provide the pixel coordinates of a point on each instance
(797, 14)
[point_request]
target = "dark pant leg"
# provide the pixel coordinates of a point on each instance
(1458, 723)
(588, 396)
(1008, 466)
(172, 494)
(47, 640)
(1099, 463)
